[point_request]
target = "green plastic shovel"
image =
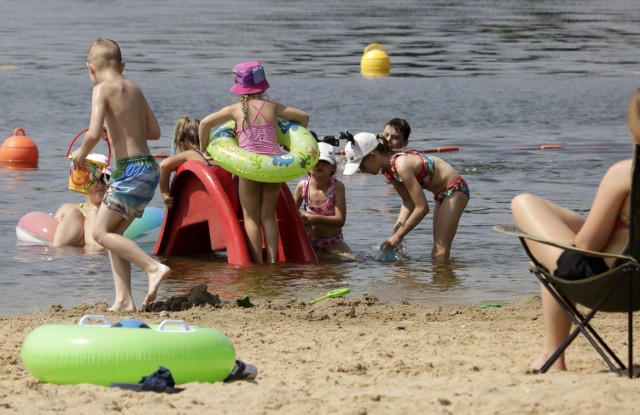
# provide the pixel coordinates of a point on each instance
(340, 292)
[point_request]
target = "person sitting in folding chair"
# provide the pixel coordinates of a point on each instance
(605, 229)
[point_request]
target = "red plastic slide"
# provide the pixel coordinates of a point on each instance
(206, 216)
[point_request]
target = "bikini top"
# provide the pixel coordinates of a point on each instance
(424, 177)
(623, 221)
(328, 208)
(209, 163)
(258, 138)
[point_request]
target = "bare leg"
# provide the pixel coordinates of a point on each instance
(543, 218)
(250, 193)
(108, 233)
(540, 217)
(70, 229)
(557, 325)
(342, 250)
(121, 271)
(268, 204)
(446, 218)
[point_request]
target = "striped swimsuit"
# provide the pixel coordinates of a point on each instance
(259, 138)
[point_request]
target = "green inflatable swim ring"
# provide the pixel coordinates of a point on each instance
(100, 354)
(302, 157)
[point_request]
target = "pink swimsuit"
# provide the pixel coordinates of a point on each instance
(328, 208)
(259, 138)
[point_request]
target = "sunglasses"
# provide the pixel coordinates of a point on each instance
(105, 178)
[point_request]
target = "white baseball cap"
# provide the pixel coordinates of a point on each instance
(363, 144)
(327, 152)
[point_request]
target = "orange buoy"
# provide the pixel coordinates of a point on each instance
(19, 151)
(375, 61)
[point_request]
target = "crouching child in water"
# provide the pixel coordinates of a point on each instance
(121, 105)
(325, 204)
(410, 173)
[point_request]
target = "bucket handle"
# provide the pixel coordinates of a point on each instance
(184, 325)
(375, 46)
(80, 135)
(87, 317)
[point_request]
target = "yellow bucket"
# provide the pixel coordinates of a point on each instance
(83, 179)
(375, 61)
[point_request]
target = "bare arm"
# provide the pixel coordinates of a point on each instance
(211, 120)
(613, 191)
(340, 216)
(168, 166)
(292, 114)
(96, 126)
(402, 216)
(153, 127)
(297, 194)
(413, 200)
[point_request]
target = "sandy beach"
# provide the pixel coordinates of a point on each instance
(352, 355)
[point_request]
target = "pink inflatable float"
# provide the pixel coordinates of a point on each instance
(38, 228)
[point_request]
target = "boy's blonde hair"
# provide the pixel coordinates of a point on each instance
(185, 134)
(104, 53)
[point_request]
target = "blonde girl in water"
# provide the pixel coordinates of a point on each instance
(605, 229)
(255, 120)
(186, 146)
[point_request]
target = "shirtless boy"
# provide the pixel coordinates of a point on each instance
(119, 104)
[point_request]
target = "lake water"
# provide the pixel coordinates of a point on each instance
(488, 76)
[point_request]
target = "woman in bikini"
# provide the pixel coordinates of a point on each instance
(410, 173)
(605, 229)
(186, 145)
(76, 222)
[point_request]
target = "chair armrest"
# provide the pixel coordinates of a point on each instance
(513, 230)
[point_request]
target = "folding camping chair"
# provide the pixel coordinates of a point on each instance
(612, 291)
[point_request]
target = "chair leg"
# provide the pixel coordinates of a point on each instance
(630, 328)
(582, 326)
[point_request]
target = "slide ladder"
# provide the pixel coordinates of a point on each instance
(206, 216)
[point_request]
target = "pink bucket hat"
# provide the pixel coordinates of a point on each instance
(249, 78)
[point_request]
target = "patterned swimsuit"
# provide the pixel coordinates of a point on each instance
(328, 208)
(425, 176)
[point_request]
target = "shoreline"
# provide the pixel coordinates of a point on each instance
(353, 355)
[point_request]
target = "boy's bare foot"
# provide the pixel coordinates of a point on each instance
(155, 279)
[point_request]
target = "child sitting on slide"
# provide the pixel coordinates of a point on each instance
(186, 146)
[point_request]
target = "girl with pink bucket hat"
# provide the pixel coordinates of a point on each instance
(255, 120)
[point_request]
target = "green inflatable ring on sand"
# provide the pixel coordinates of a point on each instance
(101, 354)
(302, 157)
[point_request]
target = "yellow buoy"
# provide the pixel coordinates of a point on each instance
(375, 61)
